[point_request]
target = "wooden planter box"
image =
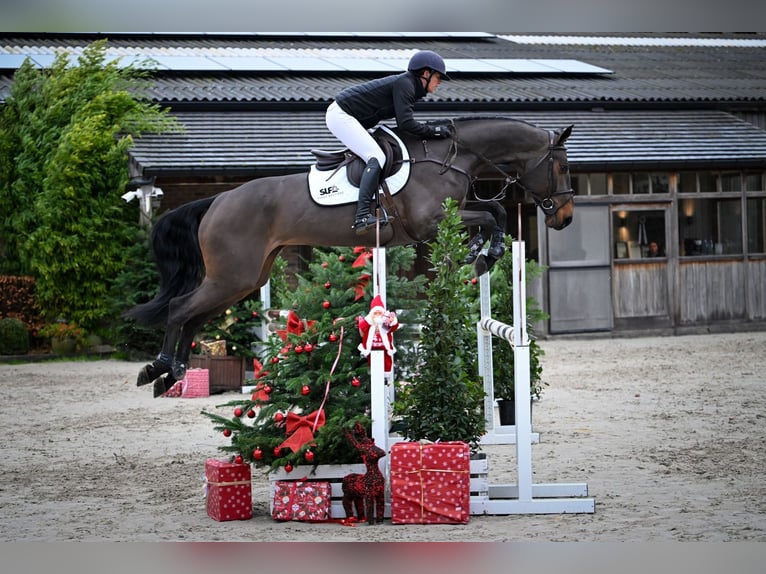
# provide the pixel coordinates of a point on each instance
(226, 373)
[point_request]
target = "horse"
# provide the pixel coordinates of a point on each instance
(213, 252)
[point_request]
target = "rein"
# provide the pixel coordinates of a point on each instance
(547, 205)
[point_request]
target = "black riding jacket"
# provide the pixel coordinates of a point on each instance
(385, 98)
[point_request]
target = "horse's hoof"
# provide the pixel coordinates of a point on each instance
(161, 386)
(481, 265)
(146, 376)
(178, 371)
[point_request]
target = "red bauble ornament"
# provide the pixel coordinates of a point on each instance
(326, 304)
(251, 414)
(288, 467)
(279, 417)
(255, 313)
(309, 456)
(327, 285)
(305, 390)
(277, 451)
(308, 347)
(238, 459)
(267, 389)
(226, 432)
(341, 258)
(194, 345)
(238, 412)
(355, 382)
(333, 337)
(474, 280)
(324, 263)
(274, 360)
(299, 349)
(257, 454)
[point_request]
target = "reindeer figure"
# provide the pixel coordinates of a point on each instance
(365, 491)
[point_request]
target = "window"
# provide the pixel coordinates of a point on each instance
(753, 182)
(710, 226)
(756, 225)
(589, 184)
(620, 183)
(638, 234)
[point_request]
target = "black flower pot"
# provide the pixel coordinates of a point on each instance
(507, 408)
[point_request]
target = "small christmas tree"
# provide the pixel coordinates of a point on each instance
(313, 383)
(237, 326)
(444, 401)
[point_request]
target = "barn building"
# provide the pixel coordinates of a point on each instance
(668, 153)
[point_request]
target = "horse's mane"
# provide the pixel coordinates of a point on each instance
(492, 118)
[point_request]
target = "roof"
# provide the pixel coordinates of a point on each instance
(599, 69)
(262, 142)
(254, 103)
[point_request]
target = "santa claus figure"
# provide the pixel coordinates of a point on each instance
(377, 330)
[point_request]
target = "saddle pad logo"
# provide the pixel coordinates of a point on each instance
(331, 188)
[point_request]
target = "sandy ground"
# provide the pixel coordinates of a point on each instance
(669, 433)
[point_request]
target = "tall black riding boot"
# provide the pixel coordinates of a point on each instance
(367, 186)
(497, 245)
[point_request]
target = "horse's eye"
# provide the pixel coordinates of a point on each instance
(563, 168)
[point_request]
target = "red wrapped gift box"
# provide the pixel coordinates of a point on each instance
(196, 383)
(308, 501)
(229, 494)
(430, 483)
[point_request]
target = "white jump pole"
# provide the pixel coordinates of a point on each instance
(378, 409)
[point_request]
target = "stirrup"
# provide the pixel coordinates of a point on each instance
(367, 222)
(363, 224)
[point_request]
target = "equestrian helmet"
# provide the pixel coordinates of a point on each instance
(428, 59)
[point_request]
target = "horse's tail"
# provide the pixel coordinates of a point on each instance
(177, 254)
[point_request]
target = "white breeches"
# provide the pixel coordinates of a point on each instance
(349, 131)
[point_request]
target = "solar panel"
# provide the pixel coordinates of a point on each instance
(188, 63)
(11, 61)
(307, 60)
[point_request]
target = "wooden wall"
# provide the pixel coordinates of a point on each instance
(640, 290)
(711, 291)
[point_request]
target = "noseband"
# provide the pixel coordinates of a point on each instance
(546, 204)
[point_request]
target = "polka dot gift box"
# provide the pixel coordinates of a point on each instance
(229, 495)
(430, 483)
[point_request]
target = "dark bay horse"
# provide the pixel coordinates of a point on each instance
(213, 252)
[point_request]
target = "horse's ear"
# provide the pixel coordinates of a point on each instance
(565, 134)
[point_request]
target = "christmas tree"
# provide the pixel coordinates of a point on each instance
(312, 382)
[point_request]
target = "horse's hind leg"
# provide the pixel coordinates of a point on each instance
(188, 312)
(152, 372)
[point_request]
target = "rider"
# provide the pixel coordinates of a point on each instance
(358, 108)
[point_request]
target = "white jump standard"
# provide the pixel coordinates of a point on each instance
(524, 497)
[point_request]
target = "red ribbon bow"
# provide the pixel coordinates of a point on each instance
(302, 429)
(364, 255)
(295, 325)
(258, 372)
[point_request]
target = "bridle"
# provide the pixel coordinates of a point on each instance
(547, 205)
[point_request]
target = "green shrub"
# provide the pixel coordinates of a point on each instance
(14, 339)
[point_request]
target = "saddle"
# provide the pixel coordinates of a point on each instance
(336, 159)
